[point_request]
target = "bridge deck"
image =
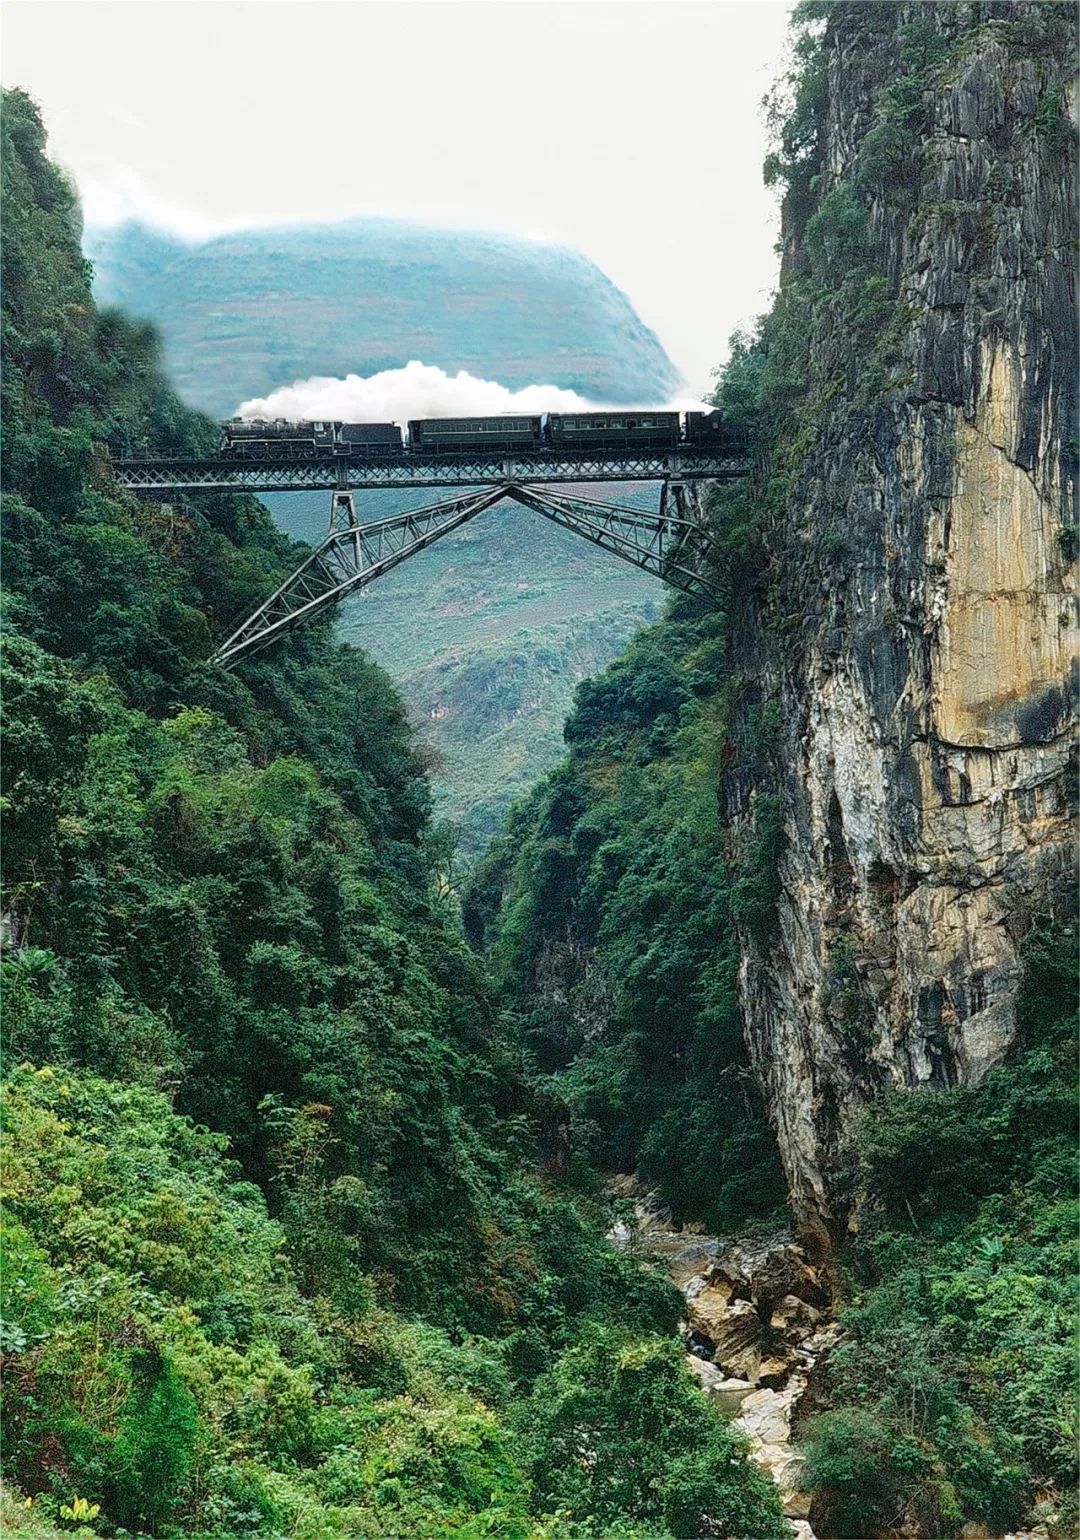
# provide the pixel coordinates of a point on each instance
(424, 471)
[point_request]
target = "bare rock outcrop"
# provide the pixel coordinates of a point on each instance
(920, 636)
(759, 1327)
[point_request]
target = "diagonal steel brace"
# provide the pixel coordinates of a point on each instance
(354, 554)
(348, 559)
(669, 547)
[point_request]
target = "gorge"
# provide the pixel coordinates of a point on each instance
(349, 1196)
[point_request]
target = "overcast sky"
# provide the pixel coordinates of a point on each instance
(630, 129)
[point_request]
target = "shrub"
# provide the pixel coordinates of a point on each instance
(619, 1428)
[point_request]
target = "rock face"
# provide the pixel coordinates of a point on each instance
(927, 711)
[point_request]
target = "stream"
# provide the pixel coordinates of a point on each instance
(758, 1324)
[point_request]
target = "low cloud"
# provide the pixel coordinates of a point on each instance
(120, 195)
(418, 390)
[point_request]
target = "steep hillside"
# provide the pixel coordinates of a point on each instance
(242, 314)
(284, 1250)
(831, 826)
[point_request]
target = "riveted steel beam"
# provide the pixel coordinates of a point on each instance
(469, 470)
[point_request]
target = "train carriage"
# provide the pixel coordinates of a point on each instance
(618, 431)
(704, 428)
(370, 438)
(476, 435)
(709, 430)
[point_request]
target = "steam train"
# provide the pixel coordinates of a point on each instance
(612, 432)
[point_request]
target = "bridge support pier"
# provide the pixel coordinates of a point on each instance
(342, 505)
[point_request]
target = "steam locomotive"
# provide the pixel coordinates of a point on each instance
(609, 432)
(281, 440)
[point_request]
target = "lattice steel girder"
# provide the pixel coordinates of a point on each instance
(348, 559)
(669, 547)
(409, 471)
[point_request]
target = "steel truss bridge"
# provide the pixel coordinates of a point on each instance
(671, 543)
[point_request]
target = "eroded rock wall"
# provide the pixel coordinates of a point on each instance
(926, 680)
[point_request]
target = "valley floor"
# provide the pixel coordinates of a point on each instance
(758, 1327)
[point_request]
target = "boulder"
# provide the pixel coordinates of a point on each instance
(728, 1393)
(773, 1372)
(707, 1375)
(765, 1418)
(785, 1272)
(793, 1312)
(736, 1333)
(709, 1311)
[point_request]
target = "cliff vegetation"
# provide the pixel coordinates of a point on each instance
(813, 851)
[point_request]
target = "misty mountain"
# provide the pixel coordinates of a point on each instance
(243, 313)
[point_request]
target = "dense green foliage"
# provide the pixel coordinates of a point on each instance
(221, 881)
(611, 906)
(658, 1448)
(164, 1363)
(167, 1365)
(957, 1381)
(224, 913)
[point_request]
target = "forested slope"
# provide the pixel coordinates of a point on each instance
(281, 1255)
(611, 903)
(829, 828)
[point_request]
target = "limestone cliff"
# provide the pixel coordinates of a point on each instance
(918, 632)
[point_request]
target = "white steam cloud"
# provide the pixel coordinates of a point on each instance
(418, 390)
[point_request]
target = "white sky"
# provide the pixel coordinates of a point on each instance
(630, 129)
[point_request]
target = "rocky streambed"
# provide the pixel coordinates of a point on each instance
(758, 1329)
